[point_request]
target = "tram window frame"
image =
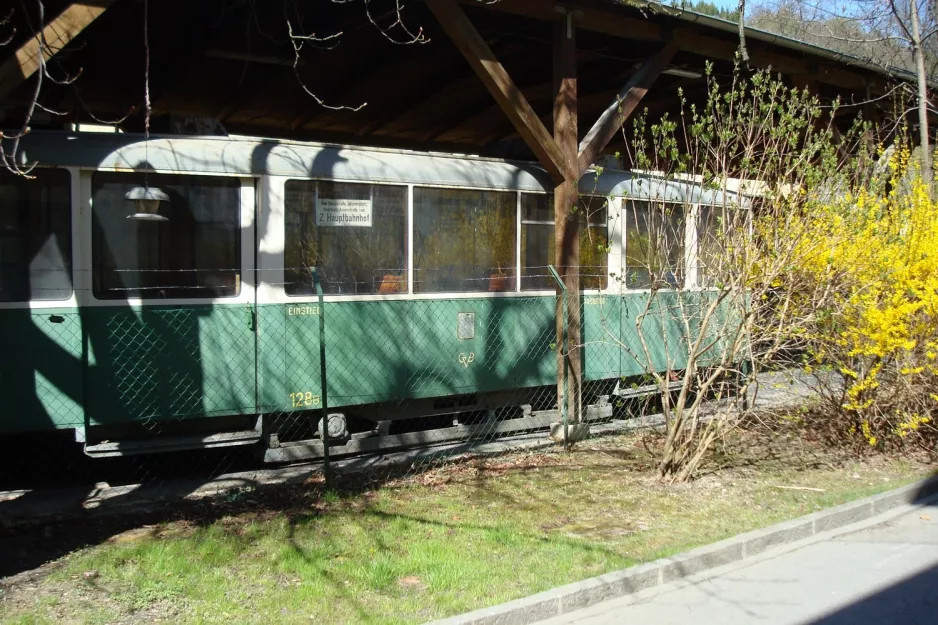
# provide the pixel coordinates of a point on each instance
(50, 222)
(167, 239)
(674, 265)
(385, 279)
(539, 219)
(467, 207)
(707, 239)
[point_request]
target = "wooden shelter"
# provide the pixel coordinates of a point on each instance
(541, 79)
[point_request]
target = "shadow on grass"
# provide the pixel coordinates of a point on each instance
(549, 479)
(347, 596)
(27, 546)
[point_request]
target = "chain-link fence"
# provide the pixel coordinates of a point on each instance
(411, 382)
(408, 383)
(341, 388)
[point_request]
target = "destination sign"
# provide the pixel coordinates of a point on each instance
(343, 212)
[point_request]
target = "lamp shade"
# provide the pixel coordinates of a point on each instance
(146, 203)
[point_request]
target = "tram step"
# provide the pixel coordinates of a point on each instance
(311, 449)
(131, 447)
(643, 391)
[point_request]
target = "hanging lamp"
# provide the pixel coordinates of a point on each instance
(147, 203)
(146, 199)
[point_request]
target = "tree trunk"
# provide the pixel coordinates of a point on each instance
(743, 51)
(919, 54)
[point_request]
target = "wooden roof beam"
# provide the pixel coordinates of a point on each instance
(437, 93)
(493, 75)
(611, 120)
(436, 121)
(57, 34)
(688, 39)
(692, 41)
(586, 18)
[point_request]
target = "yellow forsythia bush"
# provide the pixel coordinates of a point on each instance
(875, 250)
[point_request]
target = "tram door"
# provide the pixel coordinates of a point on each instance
(288, 311)
(170, 308)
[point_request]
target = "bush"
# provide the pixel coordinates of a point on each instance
(873, 251)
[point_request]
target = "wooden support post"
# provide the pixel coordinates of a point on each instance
(622, 108)
(57, 34)
(493, 75)
(566, 220)
(557, 154)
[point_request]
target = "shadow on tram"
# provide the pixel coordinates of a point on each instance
(107, 361)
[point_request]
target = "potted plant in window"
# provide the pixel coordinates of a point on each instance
(499, 280)
(392, 283)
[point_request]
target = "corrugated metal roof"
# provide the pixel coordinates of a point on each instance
(789, 43)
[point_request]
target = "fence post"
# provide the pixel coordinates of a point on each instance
(324, 421)
(562, 401)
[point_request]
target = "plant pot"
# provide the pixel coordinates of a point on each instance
(498, 282)
(392, 283)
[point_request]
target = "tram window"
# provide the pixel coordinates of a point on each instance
(464, 240)
(716, 225)
(654, 245)
(354, 234)
(537, 241)
(194, 252)
(35, 236)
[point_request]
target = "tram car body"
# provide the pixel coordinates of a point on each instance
(195, 321)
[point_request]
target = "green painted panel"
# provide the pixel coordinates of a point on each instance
(40, 370)
(411, 349)
(379, 351)
(169, 362)
(613, 345)
(631, 346)
(660, 324)
(190, 361)
(664, 330)
(288, 357)
(390, 350)
(723, 326)
(602, 336)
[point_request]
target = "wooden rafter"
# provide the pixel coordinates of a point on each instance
(493, 75)
(254, 82)
(622, 107)
(331, 84)
(489, 122)
(459, 96)
(433, 84)
(425, 80)
(57, 34)
(459, 100)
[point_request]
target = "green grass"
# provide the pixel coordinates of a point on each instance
(450, 540)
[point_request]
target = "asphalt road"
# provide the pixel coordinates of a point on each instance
(885, 574)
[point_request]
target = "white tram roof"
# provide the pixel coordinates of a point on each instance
(244, 156)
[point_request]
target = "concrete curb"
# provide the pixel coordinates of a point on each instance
(578, 595)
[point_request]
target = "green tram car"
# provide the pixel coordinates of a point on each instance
(156, 294)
